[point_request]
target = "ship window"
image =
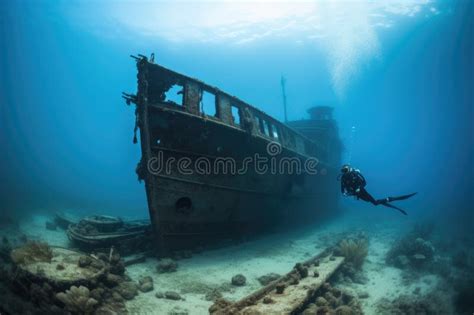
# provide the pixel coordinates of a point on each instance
(235, 115)
(259, 122)
(266, 129)
(208, 103)
(175, 95)
(275, 132)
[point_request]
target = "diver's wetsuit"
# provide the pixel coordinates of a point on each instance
(353, 184)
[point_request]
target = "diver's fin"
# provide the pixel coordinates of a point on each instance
(390, 199)
(393, 207)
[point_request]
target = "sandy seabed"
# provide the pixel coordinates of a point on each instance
(276, 253)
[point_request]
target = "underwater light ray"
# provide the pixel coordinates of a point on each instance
(346, 30)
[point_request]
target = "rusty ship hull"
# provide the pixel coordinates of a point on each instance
(190, 205)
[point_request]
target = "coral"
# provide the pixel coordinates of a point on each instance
(32, 252)
(410, 252)
(112, 280)
(320, 301)
(84, 261)
(280, 288)
(97, 293)
(239, 280)
(77, 300)
(128, 290)
(354, 250)
(302, 270)
(344, 310)
(405, 304)
(330, 300)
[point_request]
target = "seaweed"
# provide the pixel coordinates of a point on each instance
(354, 250)
(32, 252)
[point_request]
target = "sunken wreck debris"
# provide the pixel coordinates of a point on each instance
(304, 290)
(42, 279)
(101, 232)
(221, 191)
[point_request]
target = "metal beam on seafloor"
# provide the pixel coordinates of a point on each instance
(295, 295)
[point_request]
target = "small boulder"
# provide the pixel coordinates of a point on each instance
(128, 290)
(167, 265)
(269, 277)
(145, 284)
(171, 295)
(146, 287)
(239, 280)
(268, 300)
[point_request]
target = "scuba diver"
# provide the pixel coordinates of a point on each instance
(353, 184)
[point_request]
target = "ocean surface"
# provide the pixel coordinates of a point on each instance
(399, 75)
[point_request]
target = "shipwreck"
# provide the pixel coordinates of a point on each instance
(200, 167)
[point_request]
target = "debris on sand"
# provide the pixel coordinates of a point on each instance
(166, 265)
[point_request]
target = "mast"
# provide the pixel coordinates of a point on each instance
(283, 83)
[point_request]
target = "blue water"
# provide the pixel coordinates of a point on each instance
(399, 75)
